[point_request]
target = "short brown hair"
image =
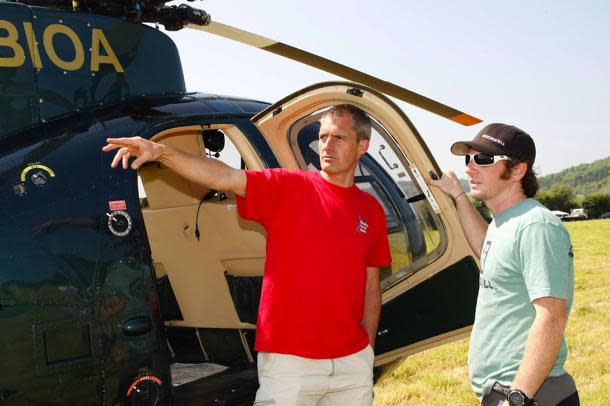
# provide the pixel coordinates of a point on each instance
(361, 122)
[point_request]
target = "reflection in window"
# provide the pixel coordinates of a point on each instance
(414, 230)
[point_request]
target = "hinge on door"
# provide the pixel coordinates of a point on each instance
(424, 188)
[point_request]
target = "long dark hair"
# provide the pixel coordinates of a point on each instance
(529, 181)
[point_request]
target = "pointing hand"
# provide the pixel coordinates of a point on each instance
(137, 147)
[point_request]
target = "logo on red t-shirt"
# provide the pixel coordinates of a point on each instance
(362, 226)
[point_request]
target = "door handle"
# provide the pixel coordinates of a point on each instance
(391, 166)
(137, 326)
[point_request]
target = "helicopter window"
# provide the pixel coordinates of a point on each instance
(414, 230)
(228, 153)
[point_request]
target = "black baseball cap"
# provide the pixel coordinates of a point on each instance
(500, 139)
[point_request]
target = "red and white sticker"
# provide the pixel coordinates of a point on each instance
(117, 205)
(142, 379)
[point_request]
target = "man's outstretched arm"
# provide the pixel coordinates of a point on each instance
(208, 172)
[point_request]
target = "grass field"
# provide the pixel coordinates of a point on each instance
(440, 377)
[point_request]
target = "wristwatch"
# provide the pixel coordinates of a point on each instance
(515, 397)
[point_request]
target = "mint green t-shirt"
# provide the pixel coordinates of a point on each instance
(527, 254)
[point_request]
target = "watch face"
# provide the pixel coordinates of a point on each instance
(516, 398)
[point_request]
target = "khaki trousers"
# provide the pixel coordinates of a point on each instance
(289, 380)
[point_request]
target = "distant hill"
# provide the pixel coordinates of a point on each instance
(584, 179)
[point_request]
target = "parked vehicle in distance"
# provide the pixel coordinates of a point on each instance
(605, 216)
(560, 214)
(576, 214)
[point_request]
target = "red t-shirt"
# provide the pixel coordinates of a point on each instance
(320, 239)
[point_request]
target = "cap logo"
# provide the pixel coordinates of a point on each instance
(490, 138)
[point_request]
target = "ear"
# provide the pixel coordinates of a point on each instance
(363, 146)
(518, 171)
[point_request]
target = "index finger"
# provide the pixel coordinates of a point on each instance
(125, 141)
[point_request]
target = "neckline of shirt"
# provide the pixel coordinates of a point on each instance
(340, 190)
(509, 212)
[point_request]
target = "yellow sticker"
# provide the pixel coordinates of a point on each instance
(36, 166)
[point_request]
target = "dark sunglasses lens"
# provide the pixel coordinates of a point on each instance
(483, 159)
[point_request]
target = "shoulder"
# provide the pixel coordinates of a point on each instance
(367, 197)
(539, 220)
(537, 213)
(370, 201)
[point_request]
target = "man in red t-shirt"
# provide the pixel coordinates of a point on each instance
(326, 240)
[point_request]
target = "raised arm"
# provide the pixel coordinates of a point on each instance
(475, 227)
(208, 172)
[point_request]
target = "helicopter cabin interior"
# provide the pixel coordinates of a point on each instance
(197, 240)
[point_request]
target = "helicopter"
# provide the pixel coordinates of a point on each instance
(141, 287)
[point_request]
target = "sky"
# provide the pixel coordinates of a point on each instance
(543, 66)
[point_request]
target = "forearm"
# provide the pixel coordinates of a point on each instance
(372, 307)
(475, 227)
(208, 172)
(543, 344)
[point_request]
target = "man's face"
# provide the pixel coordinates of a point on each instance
(486, 182)
(338, 145)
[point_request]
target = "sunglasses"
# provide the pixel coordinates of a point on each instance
(482, 159)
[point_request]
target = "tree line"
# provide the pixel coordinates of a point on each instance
(562, 197)
(586, 186)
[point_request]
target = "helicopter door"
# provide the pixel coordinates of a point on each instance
(429, 292)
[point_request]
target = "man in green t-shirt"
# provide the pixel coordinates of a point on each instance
(517, 347)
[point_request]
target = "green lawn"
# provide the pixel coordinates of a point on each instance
(440, 377)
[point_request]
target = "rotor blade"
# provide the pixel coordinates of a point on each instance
(307, 58)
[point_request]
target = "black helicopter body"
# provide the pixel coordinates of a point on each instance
(106, 283)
